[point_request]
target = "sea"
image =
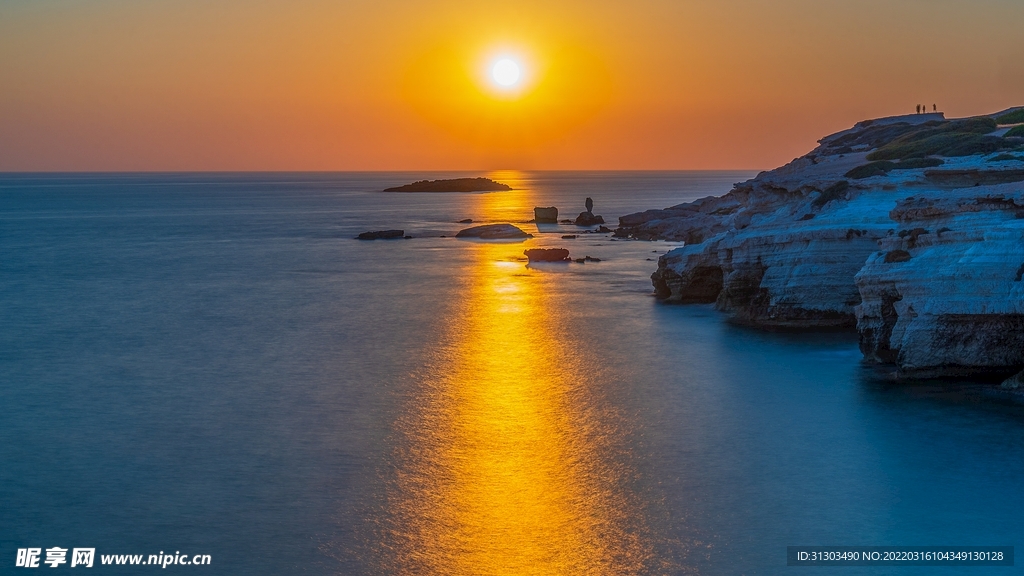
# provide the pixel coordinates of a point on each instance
(208, 367)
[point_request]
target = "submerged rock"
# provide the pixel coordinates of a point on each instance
(1014, 382)
(381, 235)
(547, 254)
(493, 232)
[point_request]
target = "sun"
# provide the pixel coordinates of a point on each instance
(505, 72)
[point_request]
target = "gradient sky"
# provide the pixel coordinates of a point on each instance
(401, 84)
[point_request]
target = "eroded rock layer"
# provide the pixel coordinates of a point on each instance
(955, 303)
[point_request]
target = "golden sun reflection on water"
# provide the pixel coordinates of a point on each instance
(508, 463)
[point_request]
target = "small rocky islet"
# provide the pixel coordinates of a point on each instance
(453, 185)
(908, 228)
(382, 235)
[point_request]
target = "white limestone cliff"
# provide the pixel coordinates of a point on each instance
(924, 255)
(952, 302)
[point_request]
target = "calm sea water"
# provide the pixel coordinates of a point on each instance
(210, 364)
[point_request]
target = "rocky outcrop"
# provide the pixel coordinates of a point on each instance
(786, 277)
(547, 254)
(494, 232)
(381, 235)
(926, 263)
(588, 219)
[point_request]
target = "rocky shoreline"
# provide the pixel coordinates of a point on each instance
(909, 229)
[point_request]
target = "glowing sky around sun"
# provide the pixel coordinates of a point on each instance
(404, 84)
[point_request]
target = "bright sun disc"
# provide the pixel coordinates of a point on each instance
(505, 72)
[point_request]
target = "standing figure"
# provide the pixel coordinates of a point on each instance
(918, 108)
(590, 205)
(935, 107)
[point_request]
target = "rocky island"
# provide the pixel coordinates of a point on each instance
(909, 229)
(453, 185)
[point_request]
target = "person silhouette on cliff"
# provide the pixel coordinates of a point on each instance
(918, 108)
(590, 205)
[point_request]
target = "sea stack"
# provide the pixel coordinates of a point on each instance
(587, 218)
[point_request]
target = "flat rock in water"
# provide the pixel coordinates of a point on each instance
(547, 215)
(452, 185)
(547, 254)
(493, 232)
(381, 235)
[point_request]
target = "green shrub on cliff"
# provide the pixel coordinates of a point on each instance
(883, 167)
(880, 168)
(833, 192)
(1015, 117)
(1015, 132)
(916, 163)
(957, 138)
(1004, 158)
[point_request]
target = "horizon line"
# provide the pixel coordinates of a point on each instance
(406, 170)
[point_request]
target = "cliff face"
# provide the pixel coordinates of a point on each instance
(952, 302)
(909, 228)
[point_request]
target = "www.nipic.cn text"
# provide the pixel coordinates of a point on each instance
(85, 558)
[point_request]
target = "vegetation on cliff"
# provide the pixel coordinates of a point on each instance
(1015, 117)
(956, 138)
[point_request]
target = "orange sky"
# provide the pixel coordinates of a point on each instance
(401, 84)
